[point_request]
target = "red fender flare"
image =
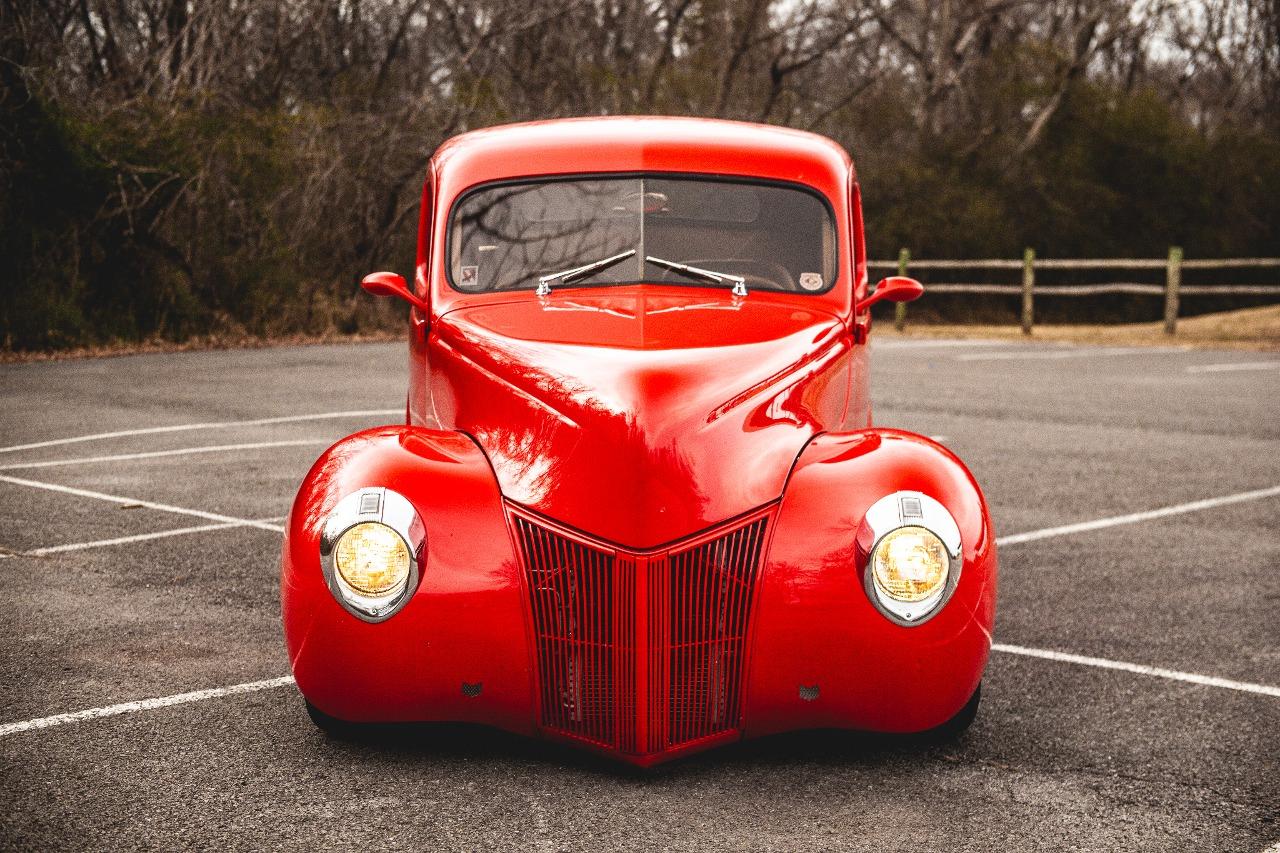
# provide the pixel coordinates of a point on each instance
(465, 623)
(814, 625)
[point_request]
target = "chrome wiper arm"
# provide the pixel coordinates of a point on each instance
(544, 281)
(739, 283)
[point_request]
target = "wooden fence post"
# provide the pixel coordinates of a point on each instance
(900, 309)
(1172, 283)
(1028, 285)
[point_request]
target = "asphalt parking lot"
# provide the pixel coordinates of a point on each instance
(1133, 702)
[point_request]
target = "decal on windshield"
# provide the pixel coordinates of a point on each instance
(811, 280)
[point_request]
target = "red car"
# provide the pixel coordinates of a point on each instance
(638, 504)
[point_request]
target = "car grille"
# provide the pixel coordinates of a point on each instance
(640, 652)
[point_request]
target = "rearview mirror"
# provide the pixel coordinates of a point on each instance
(895, 288)
(391, 284)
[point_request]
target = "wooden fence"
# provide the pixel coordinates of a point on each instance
(1172, 289)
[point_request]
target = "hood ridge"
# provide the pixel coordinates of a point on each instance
(681, 409)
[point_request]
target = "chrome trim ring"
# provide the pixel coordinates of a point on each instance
(909, 509)
(381, 505)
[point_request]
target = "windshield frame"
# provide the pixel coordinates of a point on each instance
(716, 177)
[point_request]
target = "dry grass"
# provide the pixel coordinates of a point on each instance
(1247, 329)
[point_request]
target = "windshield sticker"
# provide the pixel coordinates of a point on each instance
(468, 276)
(811, 281)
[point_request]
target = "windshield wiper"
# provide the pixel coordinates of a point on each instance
(544, 281)
(739, 283)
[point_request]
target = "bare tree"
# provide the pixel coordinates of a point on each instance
(279, 145)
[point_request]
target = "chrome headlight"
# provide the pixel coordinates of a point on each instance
(369, 551)
(913, 560)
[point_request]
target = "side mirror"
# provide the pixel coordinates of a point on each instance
(895, 288)
(390, 284)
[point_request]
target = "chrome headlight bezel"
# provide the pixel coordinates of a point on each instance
(383, 506)
(909, 509)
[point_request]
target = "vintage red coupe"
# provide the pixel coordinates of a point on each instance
(637, 503)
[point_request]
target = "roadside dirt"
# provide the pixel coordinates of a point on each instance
(1247, 329)
(214, 342)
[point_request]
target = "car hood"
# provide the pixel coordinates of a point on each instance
(640, 416)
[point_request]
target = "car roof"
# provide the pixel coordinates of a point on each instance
(635, 144)
(639, 144)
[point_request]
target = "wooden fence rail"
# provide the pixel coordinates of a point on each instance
(1172, 289)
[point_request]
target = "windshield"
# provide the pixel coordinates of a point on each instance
(774, 237)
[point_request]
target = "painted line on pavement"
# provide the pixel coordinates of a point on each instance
(140, 537)
(936, 344)
(143, 705)
(117, 499)
(1065, 352)
(1134, 518)
(1004, 648)
(98, 436)
(1235, 365)
(154, 454)
(1139, 669)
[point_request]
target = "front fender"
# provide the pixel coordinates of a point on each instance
(465, 624)
(815, 626)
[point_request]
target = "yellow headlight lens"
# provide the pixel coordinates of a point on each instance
(910, 564)
(372, 559)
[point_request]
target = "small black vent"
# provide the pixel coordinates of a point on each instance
(472, 690)
(809, 694)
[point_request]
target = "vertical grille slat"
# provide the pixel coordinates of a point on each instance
(640, 652)
(660, 675)
(623, 653)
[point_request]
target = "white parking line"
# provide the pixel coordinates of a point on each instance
(1139, 669)
(1234, 365)
(1065, 352)
(1005, 648)
(97, 436)
(140, 537)
(143, 705)
(153, 454)
(935, 344)
(117, 499)
(1133, 518)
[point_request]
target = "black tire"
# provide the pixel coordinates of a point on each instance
(956, 726)
(332, 726)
